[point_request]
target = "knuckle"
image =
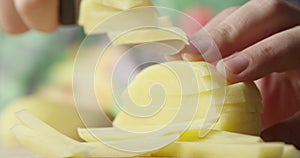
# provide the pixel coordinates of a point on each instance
(225, 31)
(266, 51)
(273, 5)
(230, 10)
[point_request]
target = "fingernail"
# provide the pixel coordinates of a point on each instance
(236, 64)
(185, 56)
(190, 57)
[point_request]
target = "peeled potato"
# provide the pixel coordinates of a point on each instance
(175, 78)
(167, 91)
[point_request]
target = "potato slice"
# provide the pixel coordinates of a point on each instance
(159, 93)
(290, 152)
(106, 134)
(175, 78)
(108, 19)
(60, 114)
(214, 137)
(172, 104)
(92, 13)
(56, 147)
(147, 34)
(39, 137)
(236, 94)
(169, 40)
(35, 124)
(125, 4)
(254, 150)
(242, 92)
(48, 146)
(217, 136)
(114, 133)
(241, 122)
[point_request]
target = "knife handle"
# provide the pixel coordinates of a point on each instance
(68, 11)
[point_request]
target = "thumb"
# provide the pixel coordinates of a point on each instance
(277, 53)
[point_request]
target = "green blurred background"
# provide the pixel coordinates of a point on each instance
(25, 59)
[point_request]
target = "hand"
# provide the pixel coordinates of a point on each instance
(19, 16)
(259, 40)
(281, 100)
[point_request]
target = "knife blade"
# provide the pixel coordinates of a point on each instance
(69, 11)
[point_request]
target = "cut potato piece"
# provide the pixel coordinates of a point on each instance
(98, 149)
(241, 122)
(46, 140)
(161, 89)
(254, 107)
(35, 124)
(204, 100)
(147, 34)
(107, 19)
(114, 133)
(92, 13)
(167, 117)
(124, 4)
(43, 139)
(175, 78)
(290, 152)
(46, 145)
(214, 137)
(152, 39)
(254, 150)
(242, 92)
(199, 69)
(128, 122)
(59, 114)
(56, 146)
(172, 104)
(106, 134)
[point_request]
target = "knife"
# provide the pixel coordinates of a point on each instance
(69, 11)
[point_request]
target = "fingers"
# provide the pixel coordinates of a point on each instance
(190, 53)
(287, 131)
(220, 17)
(10, 21)
(40, 15)
(19, 16)
(277, 53)
(253, 22)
